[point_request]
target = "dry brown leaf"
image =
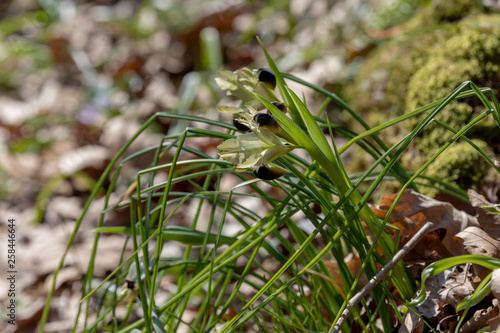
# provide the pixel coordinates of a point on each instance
(489, 221)
(456, 288)
(91, 156)
(448, 323)
(478, 241)
(479, 320)
(63, 208)
(353, 263)
(432, 304)
(495, 290)
(444, 291)
(414, 210)
(411, 324)
(430, 248)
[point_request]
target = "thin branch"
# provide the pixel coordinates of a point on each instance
(382, 274)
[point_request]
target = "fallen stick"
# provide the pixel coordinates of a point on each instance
(387, 268)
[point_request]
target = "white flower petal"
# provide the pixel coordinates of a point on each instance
(267, 136)
(229, 144)
(234, 158)
(229, 75)
(230, 109)
(225, 85)
(274, 152)
(250, 162)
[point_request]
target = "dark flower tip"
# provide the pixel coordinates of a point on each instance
(282, 107)
(267, 121)
(267, 77)
(266, 173)
(240, 126)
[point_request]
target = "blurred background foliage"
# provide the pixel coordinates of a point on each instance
(79, 77)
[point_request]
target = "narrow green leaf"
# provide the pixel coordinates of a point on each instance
(438, 267)
(174, 233)
(313, 128)
(280, 82)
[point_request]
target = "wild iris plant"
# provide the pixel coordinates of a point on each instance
(222, 273)
(267, 141)
(273, 135)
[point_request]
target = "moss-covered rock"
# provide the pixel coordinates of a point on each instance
(449, 11)
(473, 54)
(418, 69)
(461, 166)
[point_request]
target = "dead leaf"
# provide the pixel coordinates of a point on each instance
(61, 209)
(478, 241)
(414, 210)
(495, 290)
(353, 263)
(448, 323)
(429, 249)
(479, 320)
(432, 304)
(489, 221)
(411, 324)
(456, 288)
(14, 112)
(86, 157)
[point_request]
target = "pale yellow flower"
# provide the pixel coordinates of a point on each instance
(251, 150)
(255, 151)
(267, 141)
(244, 83)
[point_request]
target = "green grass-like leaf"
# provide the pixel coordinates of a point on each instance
(271, 275)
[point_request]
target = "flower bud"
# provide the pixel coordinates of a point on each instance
(266, 173)
(240, 126)
(282, 107)
(267, 77)
(267, 121)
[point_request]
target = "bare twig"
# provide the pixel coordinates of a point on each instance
(387, 268)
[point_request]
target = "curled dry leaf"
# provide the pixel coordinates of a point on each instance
(412, 323)
(489, 221)
(456, 288)
(495, 290)
(480, 320)
(353, 263)
(430, 308)
(445, 290)
(448, 323)
(414, 209)
(478, 241)
(484, 241)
